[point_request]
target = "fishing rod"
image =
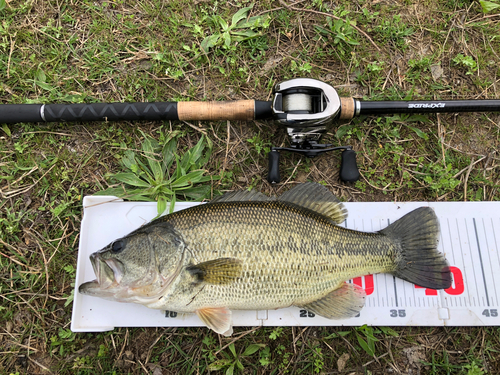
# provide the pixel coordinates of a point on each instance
(305, 107)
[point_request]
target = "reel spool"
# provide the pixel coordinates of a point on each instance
(306, 107)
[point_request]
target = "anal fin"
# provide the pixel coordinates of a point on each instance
(344, 302)
(218, 318)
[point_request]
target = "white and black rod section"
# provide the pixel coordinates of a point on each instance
(351, 107)
(245, 110)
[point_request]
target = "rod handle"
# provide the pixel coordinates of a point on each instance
(234, 110)
(109, 112)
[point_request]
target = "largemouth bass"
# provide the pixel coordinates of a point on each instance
(246, 251)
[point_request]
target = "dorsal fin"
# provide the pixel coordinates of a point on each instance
(242, 196)
(317, 198)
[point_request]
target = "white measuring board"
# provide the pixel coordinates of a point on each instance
(470, 239)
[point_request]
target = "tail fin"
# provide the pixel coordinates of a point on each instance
(419, 262)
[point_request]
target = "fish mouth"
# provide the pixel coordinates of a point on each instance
(109, 273)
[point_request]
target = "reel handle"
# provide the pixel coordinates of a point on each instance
(348, 168)
(273, 175)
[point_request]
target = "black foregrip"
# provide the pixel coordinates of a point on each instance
(14, 113)
(423, 106)
(111, 112)
(274, 167)
(348, 168)
(263, 110)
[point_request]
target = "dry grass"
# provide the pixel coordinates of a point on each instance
(132, 51)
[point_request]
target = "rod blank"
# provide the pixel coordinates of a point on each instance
(432, 106)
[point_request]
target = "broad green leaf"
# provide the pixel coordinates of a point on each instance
(254, 22)
(131, 179)
(224, 25)
(168, 153)
(40, 76)
(144, 171)
(389, 331)
(5, 127)
(230, 370)
(252, 349)
(218, 365)
(72, 294)
(163, 189)
(209, 42)
(128, 160)
(343, 130)
(44, 85)
(131, 194)
(244, 35)
(117, 191)
(232, 349)
(193, 156)
(197, 151)
(337, 334)
(239, 15)
(488, 6)
(188, 180)
(3, 4)
(365, 346)
(227, 39)
(208, 153)
(239, 365)
(172, 204)
(179, 171)
(148, 147)
(196, 193)
(56, 211)
(162, 205)
(419, 132)
(138, 197)
(186, 161)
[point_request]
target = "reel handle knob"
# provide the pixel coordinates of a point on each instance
(348, 168)
(274, 167)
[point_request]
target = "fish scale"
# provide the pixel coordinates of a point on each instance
(289, 255)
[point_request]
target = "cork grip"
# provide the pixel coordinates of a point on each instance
(347, 108)
(224, 110)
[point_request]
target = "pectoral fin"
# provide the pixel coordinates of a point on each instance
(217, 271)
(218, 319)
(344, 302)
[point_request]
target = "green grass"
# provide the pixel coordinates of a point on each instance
(91, 51)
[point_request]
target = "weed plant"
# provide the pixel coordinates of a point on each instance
(91, 51)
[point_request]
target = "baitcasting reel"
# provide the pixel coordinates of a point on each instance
(306, 107)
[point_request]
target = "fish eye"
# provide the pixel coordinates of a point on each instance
(117, 246)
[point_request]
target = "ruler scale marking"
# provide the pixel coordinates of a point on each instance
(490, 262)
(472, 262)
(493, 232)
(463, 263)
(394, 278)
(481, 262)
(451, 241)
